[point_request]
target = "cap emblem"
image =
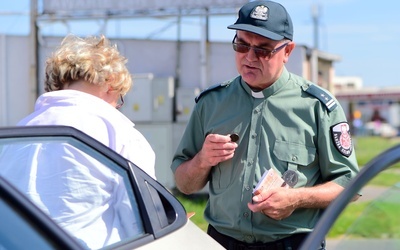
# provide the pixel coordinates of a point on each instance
(260, 12)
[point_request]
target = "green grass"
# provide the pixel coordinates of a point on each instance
(352, 212)
(369, 147)
(366, 149)
(386, 178)
(376, 219)
(196, 204)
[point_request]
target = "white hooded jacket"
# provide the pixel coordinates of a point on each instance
(82, 195)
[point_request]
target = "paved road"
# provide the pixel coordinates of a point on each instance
(364, 244)
(371, 192)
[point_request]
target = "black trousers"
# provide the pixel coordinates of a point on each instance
(292, 242)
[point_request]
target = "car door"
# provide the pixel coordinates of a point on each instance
(372, 222)
(24, 226)
(45, 163)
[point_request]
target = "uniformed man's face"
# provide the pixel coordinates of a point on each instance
(260, 72)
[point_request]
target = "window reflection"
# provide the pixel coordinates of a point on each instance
(372, 222)
(80, 189)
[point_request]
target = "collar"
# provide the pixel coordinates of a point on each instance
(267, 92)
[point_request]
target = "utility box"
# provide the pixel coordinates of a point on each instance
(185, 103)
(150, 99)
(163, 99)
(138, 100)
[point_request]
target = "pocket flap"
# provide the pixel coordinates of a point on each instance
(294, 153)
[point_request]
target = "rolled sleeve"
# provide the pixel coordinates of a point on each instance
(334, 165)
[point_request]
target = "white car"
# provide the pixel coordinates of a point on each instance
(164, 221)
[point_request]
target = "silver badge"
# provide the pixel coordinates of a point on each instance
(260, 12)
(290, 177)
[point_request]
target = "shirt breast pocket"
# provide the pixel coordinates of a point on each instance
(297, 157)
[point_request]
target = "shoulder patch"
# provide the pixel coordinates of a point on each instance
(321, 95)
(211, 88)
(342, 139)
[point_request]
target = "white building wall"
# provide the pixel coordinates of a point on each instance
(16, 89)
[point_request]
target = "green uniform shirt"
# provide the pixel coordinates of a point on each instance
(289, 125)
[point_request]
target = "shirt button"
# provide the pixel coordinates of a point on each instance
(294, 158)
(249, 237)
(254, 135)
(246, 214)
(247, 188)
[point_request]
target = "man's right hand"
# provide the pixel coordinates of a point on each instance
(216, 148)
(192, 175)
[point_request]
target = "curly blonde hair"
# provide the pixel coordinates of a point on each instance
(92, 59)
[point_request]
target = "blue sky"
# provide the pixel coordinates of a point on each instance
(365, 34)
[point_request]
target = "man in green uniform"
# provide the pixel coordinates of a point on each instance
(285, 124)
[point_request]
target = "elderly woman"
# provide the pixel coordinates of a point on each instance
(86, 79)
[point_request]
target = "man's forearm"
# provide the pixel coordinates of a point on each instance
(190, 177)
(318, 196)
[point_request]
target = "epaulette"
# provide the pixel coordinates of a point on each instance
(322, 95)
(211, 88)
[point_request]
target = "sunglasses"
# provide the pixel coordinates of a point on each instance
(121, 103)
(259, 52)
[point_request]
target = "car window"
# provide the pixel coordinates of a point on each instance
(24, 226)
(13, 226)
(84, 192)
(373, 221)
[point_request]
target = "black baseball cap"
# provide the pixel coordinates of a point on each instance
(265, 18)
